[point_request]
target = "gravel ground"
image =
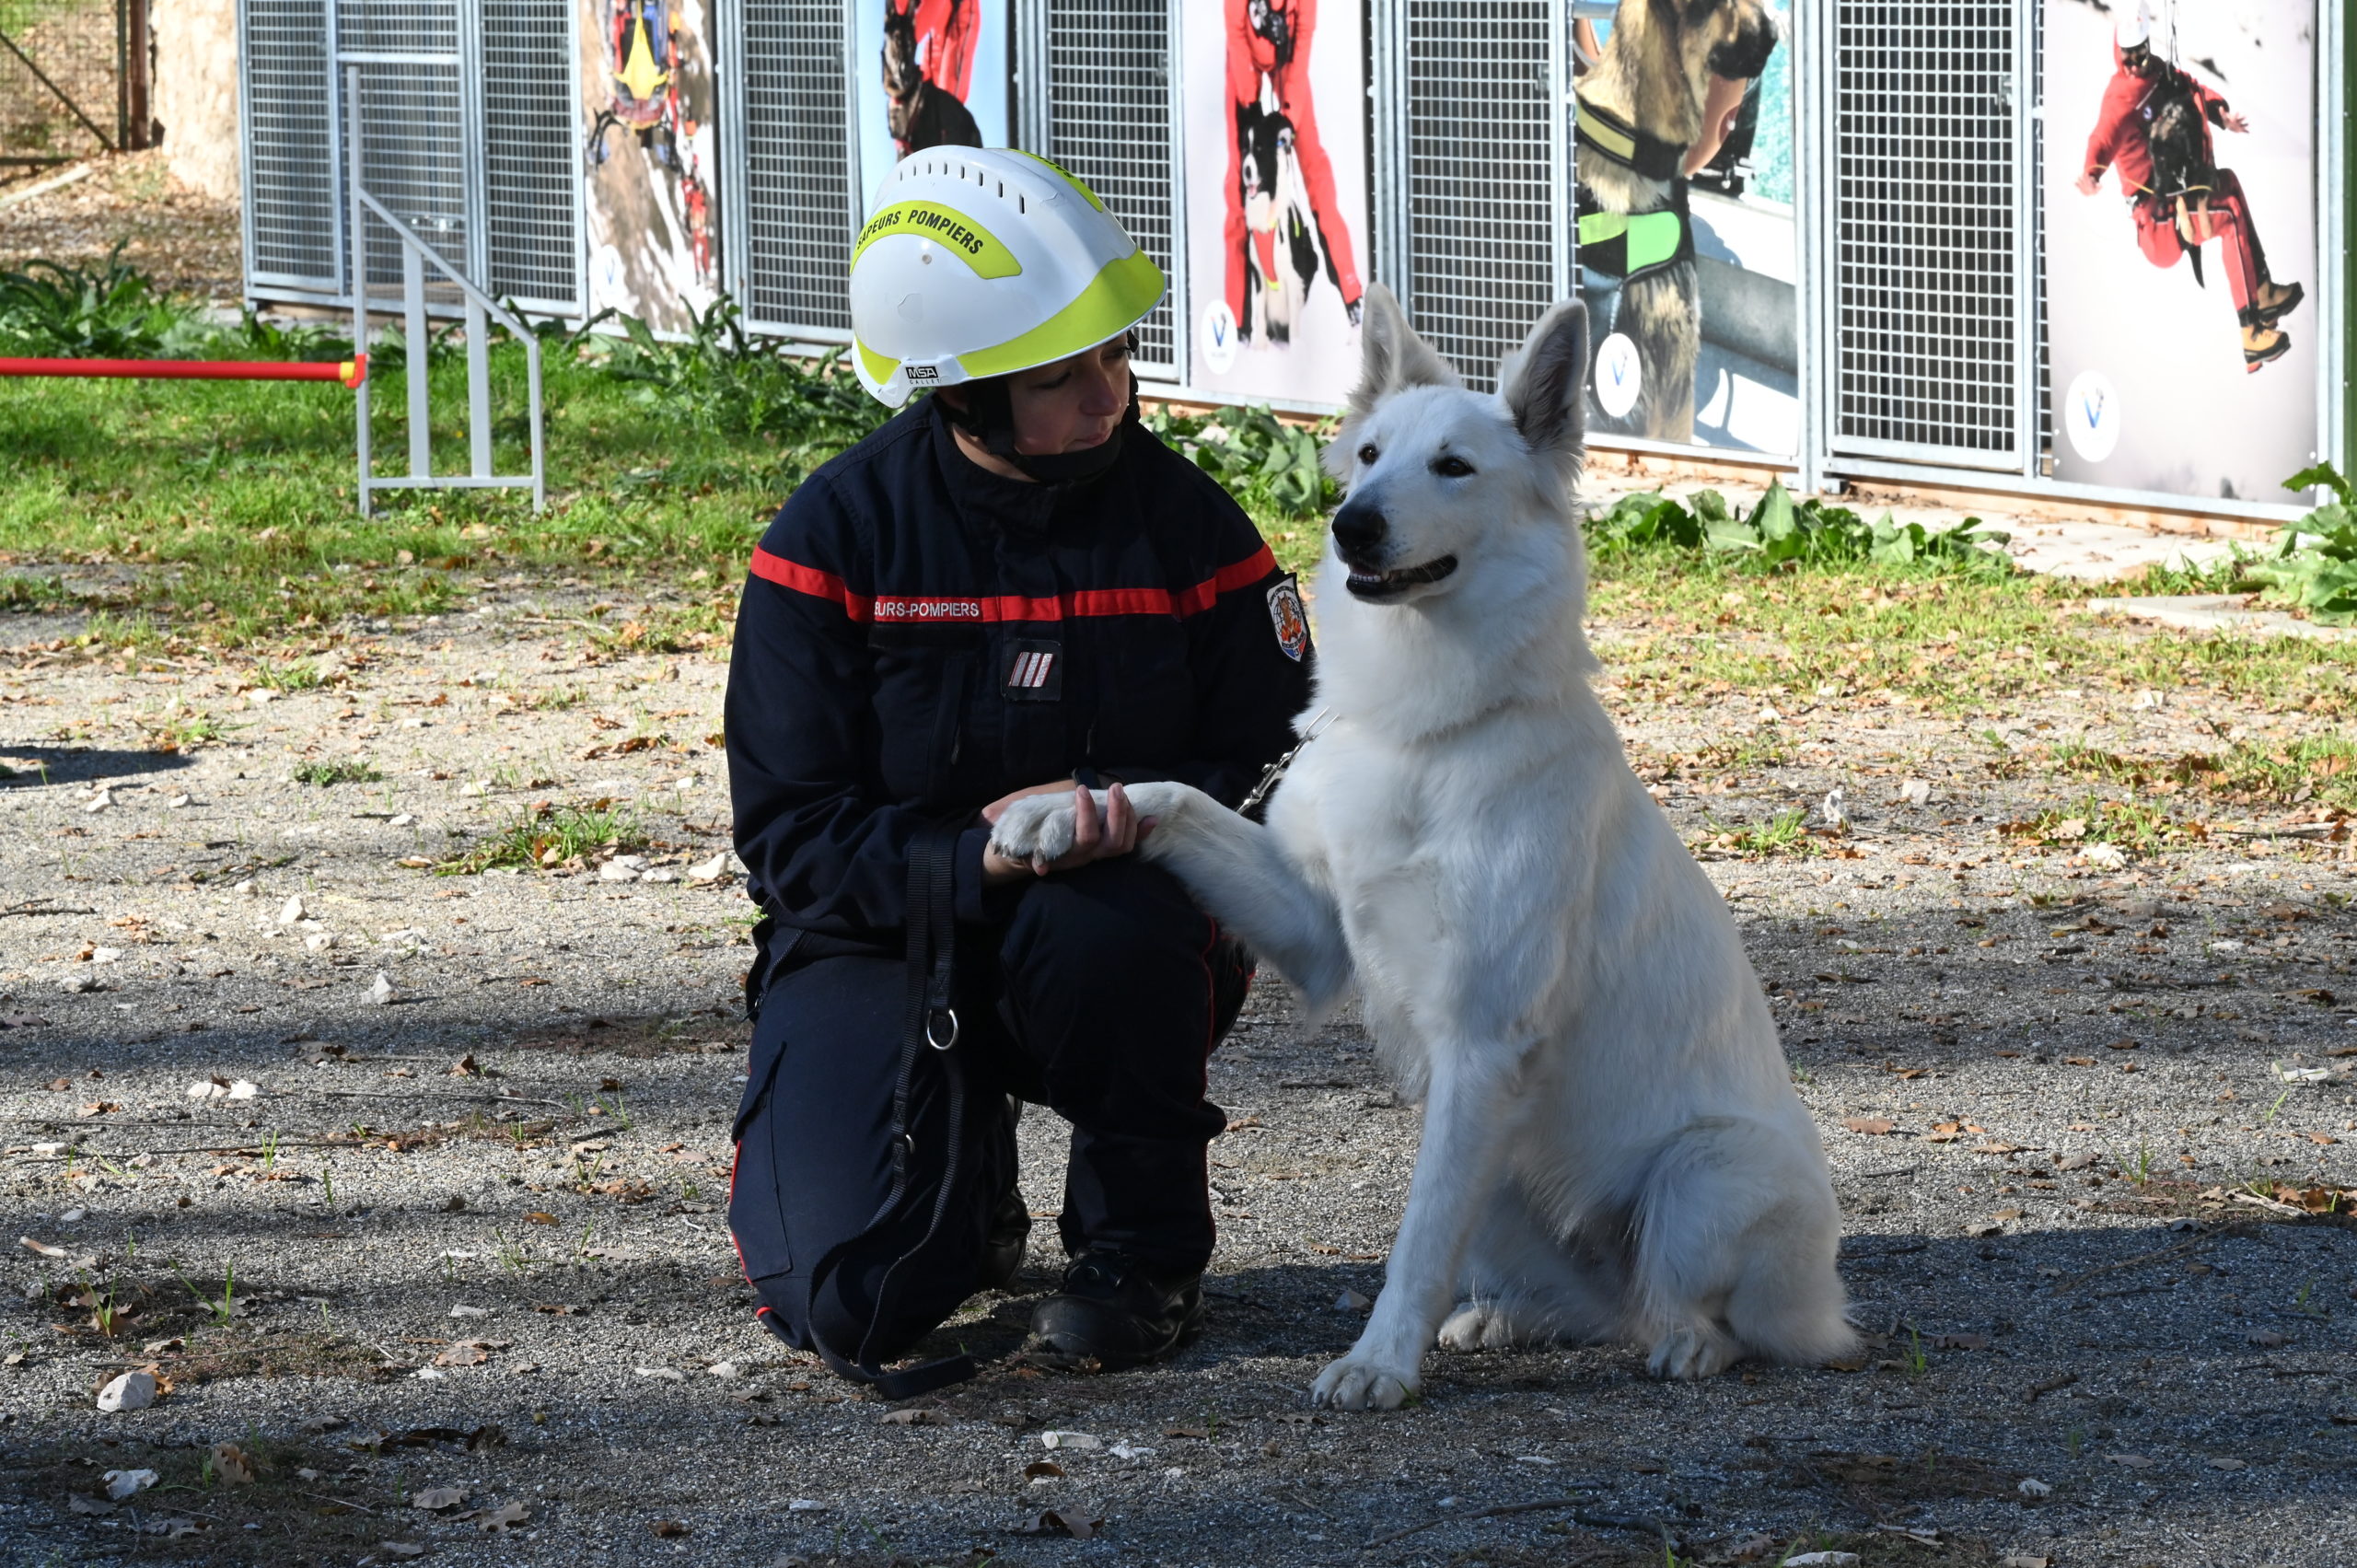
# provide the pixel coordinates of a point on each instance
(472, 1235)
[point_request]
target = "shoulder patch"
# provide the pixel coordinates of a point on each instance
(1290, 620)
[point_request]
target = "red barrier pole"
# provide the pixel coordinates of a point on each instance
(351, 372)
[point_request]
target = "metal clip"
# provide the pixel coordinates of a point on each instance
(1277, 769)
(934, 1039)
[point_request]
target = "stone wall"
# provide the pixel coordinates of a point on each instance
(196, 96)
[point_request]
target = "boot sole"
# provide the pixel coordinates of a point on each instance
(2268, 318)
(2251, 362)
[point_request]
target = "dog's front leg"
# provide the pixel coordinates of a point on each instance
(1457, 1168)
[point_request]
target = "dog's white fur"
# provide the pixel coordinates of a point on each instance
(1612, 1148)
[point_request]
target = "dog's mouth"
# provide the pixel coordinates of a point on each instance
(1390, 584)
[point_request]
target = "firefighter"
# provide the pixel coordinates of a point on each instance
(1011, 587)
(2205, 203)
(1270, 40)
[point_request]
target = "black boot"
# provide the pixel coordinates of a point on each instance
(1003, 1247)
(1111, 1309)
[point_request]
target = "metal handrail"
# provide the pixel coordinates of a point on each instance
(481, 310)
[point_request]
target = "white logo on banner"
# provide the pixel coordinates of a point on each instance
(2091, 414)
(607, 286)
(1618, 375)
(1218, 343)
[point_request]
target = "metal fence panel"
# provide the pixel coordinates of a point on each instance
(293, 232)
(1110, 122)
(1927, 290)
(532, 173)
(1481, 155)
(794, 191)
(413, 134)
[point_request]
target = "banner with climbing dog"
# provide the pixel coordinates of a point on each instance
(1277, 211)
(2181, 199)
(929, 74)
(1682, 161)
(650, 159)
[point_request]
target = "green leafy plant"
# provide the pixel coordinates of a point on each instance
(223, 1308)
(1780, 532)
(1270, 466)
(2314, 565)
(1786, 832)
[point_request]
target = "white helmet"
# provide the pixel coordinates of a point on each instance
(2134, 29)
(984, 261)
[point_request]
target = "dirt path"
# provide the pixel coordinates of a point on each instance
(472, 1235)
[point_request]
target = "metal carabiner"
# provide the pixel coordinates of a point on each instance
(931, 1038)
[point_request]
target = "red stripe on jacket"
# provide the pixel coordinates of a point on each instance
(917, 610)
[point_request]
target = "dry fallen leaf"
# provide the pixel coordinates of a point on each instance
(436, 1499)
(915, 1416)
(230, 1465)
(1873, 1126)
(667, 1528)
(1075, 1522)
(469, 1353)
(1039, 1470)
(539, 1216)
(507, 1516)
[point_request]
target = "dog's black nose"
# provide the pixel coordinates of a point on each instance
(1358, 527)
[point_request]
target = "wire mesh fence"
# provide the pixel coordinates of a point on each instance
(73, 77)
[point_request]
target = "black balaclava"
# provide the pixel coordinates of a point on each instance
(989, 417)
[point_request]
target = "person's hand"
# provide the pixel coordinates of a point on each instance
(997, 809)
(2087, 184)
(1094, 835)
(2235, 122)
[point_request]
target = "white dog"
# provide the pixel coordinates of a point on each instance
(1612, 1148)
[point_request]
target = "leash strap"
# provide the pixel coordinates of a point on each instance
(1614, 138)
(930, 1029)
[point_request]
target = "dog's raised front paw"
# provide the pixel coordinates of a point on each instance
(1693, 1350)
(1353, 1384)
(1036, 828)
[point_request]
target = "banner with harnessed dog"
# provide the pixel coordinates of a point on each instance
(929, 74)
(2180, 197)
(1682, 159)
(651, 160)
(1274, 123)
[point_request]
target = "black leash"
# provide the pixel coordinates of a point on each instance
(930, 1026)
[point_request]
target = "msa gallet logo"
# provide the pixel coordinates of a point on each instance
(923, 372)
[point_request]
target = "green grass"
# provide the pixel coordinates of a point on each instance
(1786, 832)
(562, 836)
(2133, 826)
(342, 772)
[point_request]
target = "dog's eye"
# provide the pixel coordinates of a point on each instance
(1451, 467)
(1367, 454)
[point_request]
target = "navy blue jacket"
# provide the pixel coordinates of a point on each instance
(920, 636)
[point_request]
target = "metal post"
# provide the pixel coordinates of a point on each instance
(359, 232)
(539, 444)
(139, 131)
(479, 388)
(415, 341)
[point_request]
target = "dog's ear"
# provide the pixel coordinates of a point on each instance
(1544, 381)
(1392, 358)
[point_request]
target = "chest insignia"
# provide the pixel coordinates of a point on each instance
(1290, 620)
(1035, 673)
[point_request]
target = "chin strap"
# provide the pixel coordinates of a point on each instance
(988, 418)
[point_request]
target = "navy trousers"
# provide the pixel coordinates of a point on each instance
(1101, 997)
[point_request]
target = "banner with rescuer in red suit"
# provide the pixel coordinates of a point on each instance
(1268, 84)
(2155, 133)
(1278, 208)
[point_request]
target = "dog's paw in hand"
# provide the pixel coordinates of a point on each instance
(1036, 829)
(1355, 1383)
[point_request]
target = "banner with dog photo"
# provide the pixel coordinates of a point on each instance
(1682, 159)
(650, 160)
(929, 74)
(1275, 127)
(2180, 191)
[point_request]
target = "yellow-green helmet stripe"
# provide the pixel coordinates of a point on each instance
(1115, 298)
(955, 232)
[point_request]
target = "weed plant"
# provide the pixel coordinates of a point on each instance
(553, 838)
